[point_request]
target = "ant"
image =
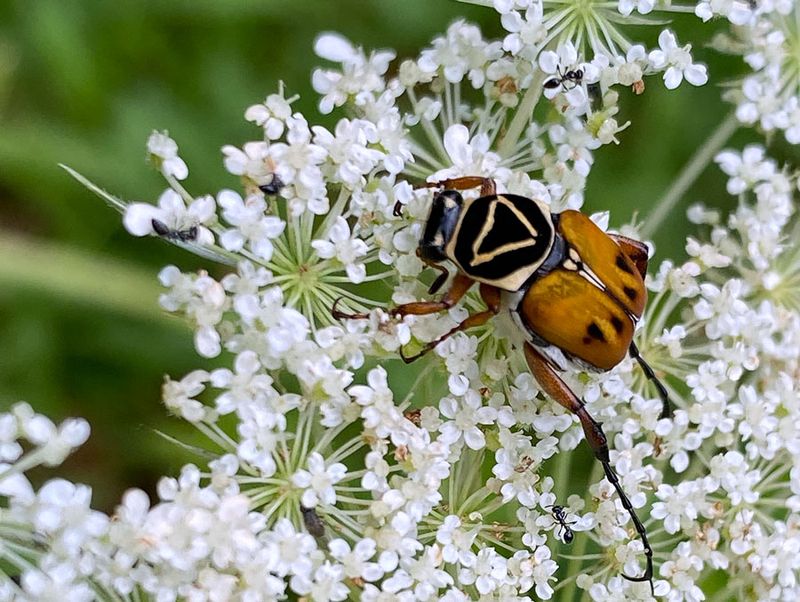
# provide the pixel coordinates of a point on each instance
(274, 187)
(573, 77)
(164, 231)
(560, 515)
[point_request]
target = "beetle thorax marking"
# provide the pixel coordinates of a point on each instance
(479, 256)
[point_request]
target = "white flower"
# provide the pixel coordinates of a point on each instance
(343, 247)
(678, 62)
(251, 226)
(467, 155)
(465, 416)
(318, 481)
(174, 214)
(737, 12)
(354, 562)
(361, 77)
(271, 115)
(253, 161)
(626, 7)
(297, 164)
(462, 53)
(163, 152)
(179, 396)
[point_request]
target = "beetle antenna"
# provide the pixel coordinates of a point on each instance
(666, 406)
(626, 503)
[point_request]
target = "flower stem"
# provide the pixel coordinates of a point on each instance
(522, 116)
(67, 274)
(691, 171)
(575, 564)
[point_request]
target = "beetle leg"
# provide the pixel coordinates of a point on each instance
(477, 319)
(666, 406)
(490, 296)
(551, 383)
(635, 250)
(486, 185)
(440, 279)
(461, 284)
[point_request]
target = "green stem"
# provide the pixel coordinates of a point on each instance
(66, 274)
(523, 115)
(575, 564)
(691, 171)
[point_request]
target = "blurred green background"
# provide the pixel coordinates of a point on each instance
(84, 82)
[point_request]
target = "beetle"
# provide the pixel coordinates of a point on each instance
(573, 289)
(566, 534)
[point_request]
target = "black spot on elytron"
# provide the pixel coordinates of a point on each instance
(617, 324)
(593, 330)
(630, 293)
(623, 265)
(587, 341)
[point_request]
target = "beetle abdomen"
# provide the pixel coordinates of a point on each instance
(502, 240)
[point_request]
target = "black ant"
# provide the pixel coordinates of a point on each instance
(164, 231)
(274, 187)
(573, 77)
(560, 515)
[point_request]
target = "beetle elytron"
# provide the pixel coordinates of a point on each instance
(575, 290)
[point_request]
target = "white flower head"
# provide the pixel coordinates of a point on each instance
(677, 62)
(162, 151)
(173, 216)
(318, 481)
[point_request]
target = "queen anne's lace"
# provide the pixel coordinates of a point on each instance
(331, 478)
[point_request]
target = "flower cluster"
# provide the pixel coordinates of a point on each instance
(336, 475)
(768, 38)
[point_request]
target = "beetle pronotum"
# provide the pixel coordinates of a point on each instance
(576, 291)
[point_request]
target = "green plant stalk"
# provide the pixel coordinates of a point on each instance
(575, 564)
(66, 274)
(690, 172)
(522, 117)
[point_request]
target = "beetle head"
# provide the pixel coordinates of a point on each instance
(445, 209)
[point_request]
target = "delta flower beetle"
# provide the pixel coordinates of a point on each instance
(575, 291)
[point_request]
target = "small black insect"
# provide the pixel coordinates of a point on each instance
(565, 533)
(163, 231)
(274, 187)
(573, 77)
(312, 522)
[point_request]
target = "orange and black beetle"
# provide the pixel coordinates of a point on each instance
(576, 291)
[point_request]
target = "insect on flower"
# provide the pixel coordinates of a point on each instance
(164, 231)
(565, 533)
(274, 186)
(573, 289)
(573, 77)
(312, 522)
